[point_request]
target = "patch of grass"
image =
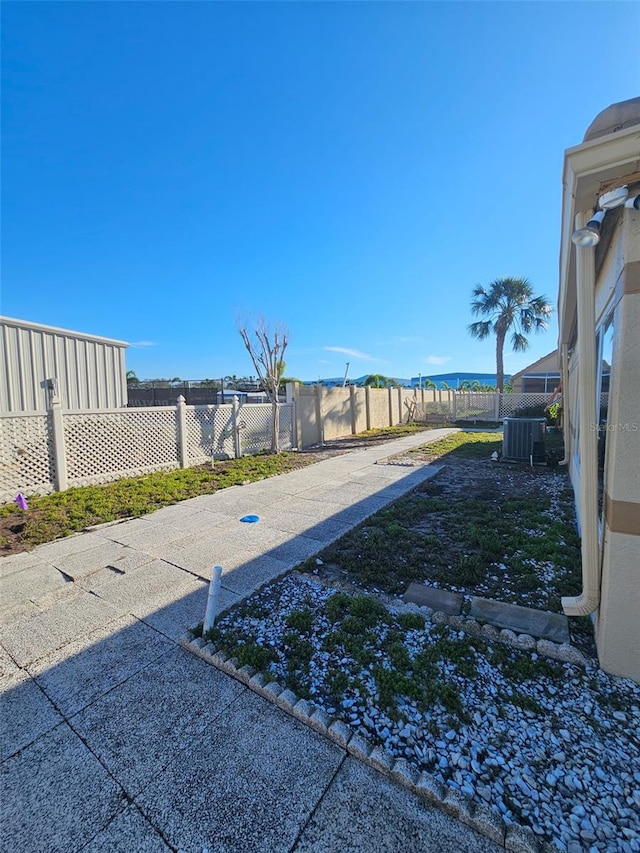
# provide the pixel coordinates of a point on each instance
(464, 445)
(301, 620)
(259, 657)
(521, 667)
(299, 650)
(337, 684)
(337, 606)
(411, 621)
(526, 702)
(61, 514)
(395, 431)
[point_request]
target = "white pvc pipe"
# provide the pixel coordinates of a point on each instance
(564, 373)
(212, 599)
(589, 598)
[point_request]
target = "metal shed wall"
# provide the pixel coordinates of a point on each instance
(90, 370)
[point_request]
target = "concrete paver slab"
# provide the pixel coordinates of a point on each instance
(76, 544)
(324, 510)
(522, 620)
(152, 718)
(128, 831)
(153, 584)
(175, 617)
(364, 812)
(142, 532)
(437, 599)
(303, 525)
(25, 712)
(80, 565)
(250, 783)
(77, 674)
(131, 560)
(12, 613)
(296, 550)
(55, 795)
(17, 562)
(227, 547)
(254, 573)
(8, 667)
(42, 634)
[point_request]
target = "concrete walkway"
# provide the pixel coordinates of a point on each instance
(113, 738)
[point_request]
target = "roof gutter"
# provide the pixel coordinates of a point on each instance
(589, 598)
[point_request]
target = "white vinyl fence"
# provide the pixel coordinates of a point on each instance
(45, 452)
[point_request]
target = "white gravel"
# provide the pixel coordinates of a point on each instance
(570, 770)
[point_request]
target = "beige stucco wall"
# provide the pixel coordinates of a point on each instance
(379, 407)
(617, 623)
(618, 619)
(336, 412)
(328, 413)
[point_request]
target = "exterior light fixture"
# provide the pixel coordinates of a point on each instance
(633, 203)
(590, 234)
(614, 198)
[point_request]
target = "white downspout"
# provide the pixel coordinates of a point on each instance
(589, 598)
(564, 376)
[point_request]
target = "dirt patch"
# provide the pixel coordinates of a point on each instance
(491, 529)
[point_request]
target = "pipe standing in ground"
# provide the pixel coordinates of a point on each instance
(212, 599)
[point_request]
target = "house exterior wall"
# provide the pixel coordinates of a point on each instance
(617, 299)
(618, 619)
(90, 371)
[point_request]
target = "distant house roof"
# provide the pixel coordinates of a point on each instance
(548, 364)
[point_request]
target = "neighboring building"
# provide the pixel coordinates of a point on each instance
(599, 319)
(540, 377)
(89, 371)
(455, 380)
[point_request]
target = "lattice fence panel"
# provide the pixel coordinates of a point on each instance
(104, 446)
(200, 432)
(255, 421)
(434, 412)
(285, 432)
(475, 405)
(223, 443)
(523, 404)
(26, 456)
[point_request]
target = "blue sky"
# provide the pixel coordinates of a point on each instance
(349, 169)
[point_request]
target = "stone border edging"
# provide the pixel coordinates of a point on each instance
(483, 819)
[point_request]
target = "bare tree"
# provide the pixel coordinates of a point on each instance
(267, 349)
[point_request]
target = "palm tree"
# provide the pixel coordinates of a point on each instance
(132, 378)
(377, 380)
(509, 305)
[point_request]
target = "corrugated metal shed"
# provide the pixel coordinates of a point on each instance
(90, 370)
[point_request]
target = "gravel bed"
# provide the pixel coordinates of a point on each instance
(546, 745)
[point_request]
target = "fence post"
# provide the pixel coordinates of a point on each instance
(319, 418)
(390, 395)
(497, 406)
(57, 434)
(367, 404)
(354, 413)
(235, 422)
(455, 407)
(292, 399)
(181, 420)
